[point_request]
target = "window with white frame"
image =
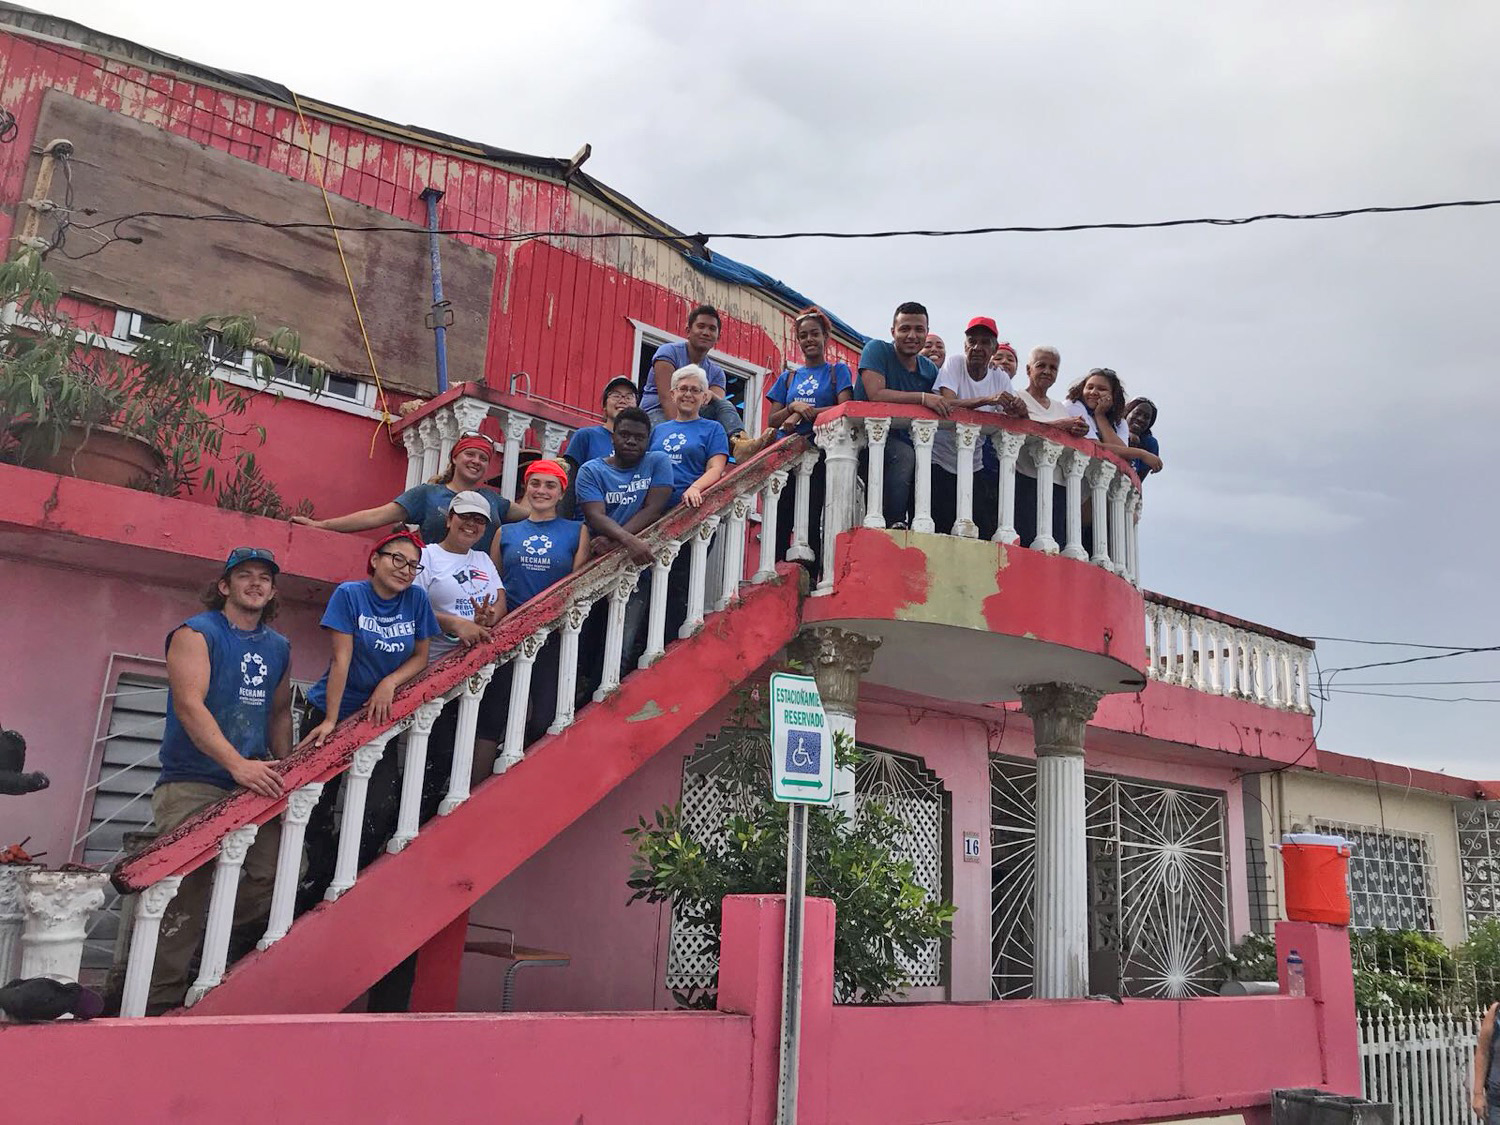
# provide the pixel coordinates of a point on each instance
(745, 381)
(328, 387)
(1392, 881)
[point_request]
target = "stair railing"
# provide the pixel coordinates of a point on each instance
(224, 832)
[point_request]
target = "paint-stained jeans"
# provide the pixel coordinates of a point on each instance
(182, 924)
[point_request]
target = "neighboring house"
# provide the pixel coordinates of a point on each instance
(1067, 750)
(1425, 843)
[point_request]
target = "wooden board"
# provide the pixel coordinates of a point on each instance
(291, 278)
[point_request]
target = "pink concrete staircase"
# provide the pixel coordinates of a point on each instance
(334, 952)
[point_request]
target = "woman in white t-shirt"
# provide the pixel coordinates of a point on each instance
(469, 599)
(1049, 410)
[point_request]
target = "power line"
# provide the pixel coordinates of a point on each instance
(1416, 683)
(1413, 659)
(767, 236)
(1396, 644)
(1407, 695)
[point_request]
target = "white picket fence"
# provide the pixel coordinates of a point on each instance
(1421, 1062)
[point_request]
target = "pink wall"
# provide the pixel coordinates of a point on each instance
(1037, 1061)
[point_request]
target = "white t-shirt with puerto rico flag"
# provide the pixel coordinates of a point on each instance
(455, 584)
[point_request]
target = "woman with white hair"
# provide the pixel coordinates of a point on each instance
(697, 447)
(1049, 410)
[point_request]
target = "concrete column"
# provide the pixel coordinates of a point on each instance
(1059, 713)
(58, 906)
(12, 917)
(838, 660)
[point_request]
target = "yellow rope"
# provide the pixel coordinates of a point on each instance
(385, 414)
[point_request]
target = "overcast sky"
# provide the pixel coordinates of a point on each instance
(1327, 389)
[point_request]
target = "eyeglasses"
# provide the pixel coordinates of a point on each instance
(690, 390)
(401, 562)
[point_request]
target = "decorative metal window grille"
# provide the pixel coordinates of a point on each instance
(1479, 859)
(1392, 883)
(713, 791)
(1158, 895)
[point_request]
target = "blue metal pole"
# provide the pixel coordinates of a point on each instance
(430, 196)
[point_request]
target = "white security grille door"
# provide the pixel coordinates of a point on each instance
(1157, 886)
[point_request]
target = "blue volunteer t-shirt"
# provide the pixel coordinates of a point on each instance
(817, 386)
(245, 669)
(677, 355)
(588, 443)
(623, 491)
(427, 506)
(880, 355)
(689, 445)
(534, 554)
(1149, 443)
(385, 631)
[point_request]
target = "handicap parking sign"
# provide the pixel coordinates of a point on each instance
(801, 743)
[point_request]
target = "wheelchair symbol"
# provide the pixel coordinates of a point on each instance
(803, 752)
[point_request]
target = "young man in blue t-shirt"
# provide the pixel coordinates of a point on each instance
(703, 327)
(229, 714)
(895, 371)
(592, 442)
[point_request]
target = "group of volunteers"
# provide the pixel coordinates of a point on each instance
(477, 556)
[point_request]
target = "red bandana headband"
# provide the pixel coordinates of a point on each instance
(473, 441)
(547, 469)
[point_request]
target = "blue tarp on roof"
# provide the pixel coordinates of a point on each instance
(727, 269)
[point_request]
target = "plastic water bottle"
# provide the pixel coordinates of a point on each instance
(1296, 974)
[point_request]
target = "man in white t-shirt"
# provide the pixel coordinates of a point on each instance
(969, 382)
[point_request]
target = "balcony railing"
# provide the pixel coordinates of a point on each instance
(1197, 648)
(1074, 463)
(430, 432)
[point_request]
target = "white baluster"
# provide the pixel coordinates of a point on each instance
(447, 428)
(431, 441)
(215, 956)
(12, 918)
(734, 552)
(300, 803)
(352, 825)
(414, 770)
(554, 436)
(876, 432)
(516, 426)
(838, 440)
(1243, 682)
(465, 727)
(800, 549)
(1258, 667)
(965, 439)
(1007, 449)
(1117, 546)
(1288, 698)
(697, 577)
(1074, 464)
(1200, 678)
(57, 905)
(656, 622)
(770, 510)
(411, 437)
(1215, 634)
(1045, 455)
(520, 699)
(1153, 627)
(1132, 537)
(150, 905)
(923, 430)
(567, 665)
(1173, 673)
(1100, 475)
(1304, 680)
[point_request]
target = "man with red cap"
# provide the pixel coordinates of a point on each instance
(426, 505)
(968, 382)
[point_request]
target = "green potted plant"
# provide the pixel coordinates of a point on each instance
(72, 401)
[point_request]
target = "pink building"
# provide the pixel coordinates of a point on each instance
(1066, 749)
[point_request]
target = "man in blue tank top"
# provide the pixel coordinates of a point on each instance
(229, 713)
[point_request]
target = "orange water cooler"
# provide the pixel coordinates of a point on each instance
(1317, 877)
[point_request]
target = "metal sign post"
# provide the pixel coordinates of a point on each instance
(802, 774)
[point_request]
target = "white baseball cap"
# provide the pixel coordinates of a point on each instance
(472, 503)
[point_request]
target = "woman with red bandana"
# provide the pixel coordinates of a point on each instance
(427, 504)
(532, 555)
